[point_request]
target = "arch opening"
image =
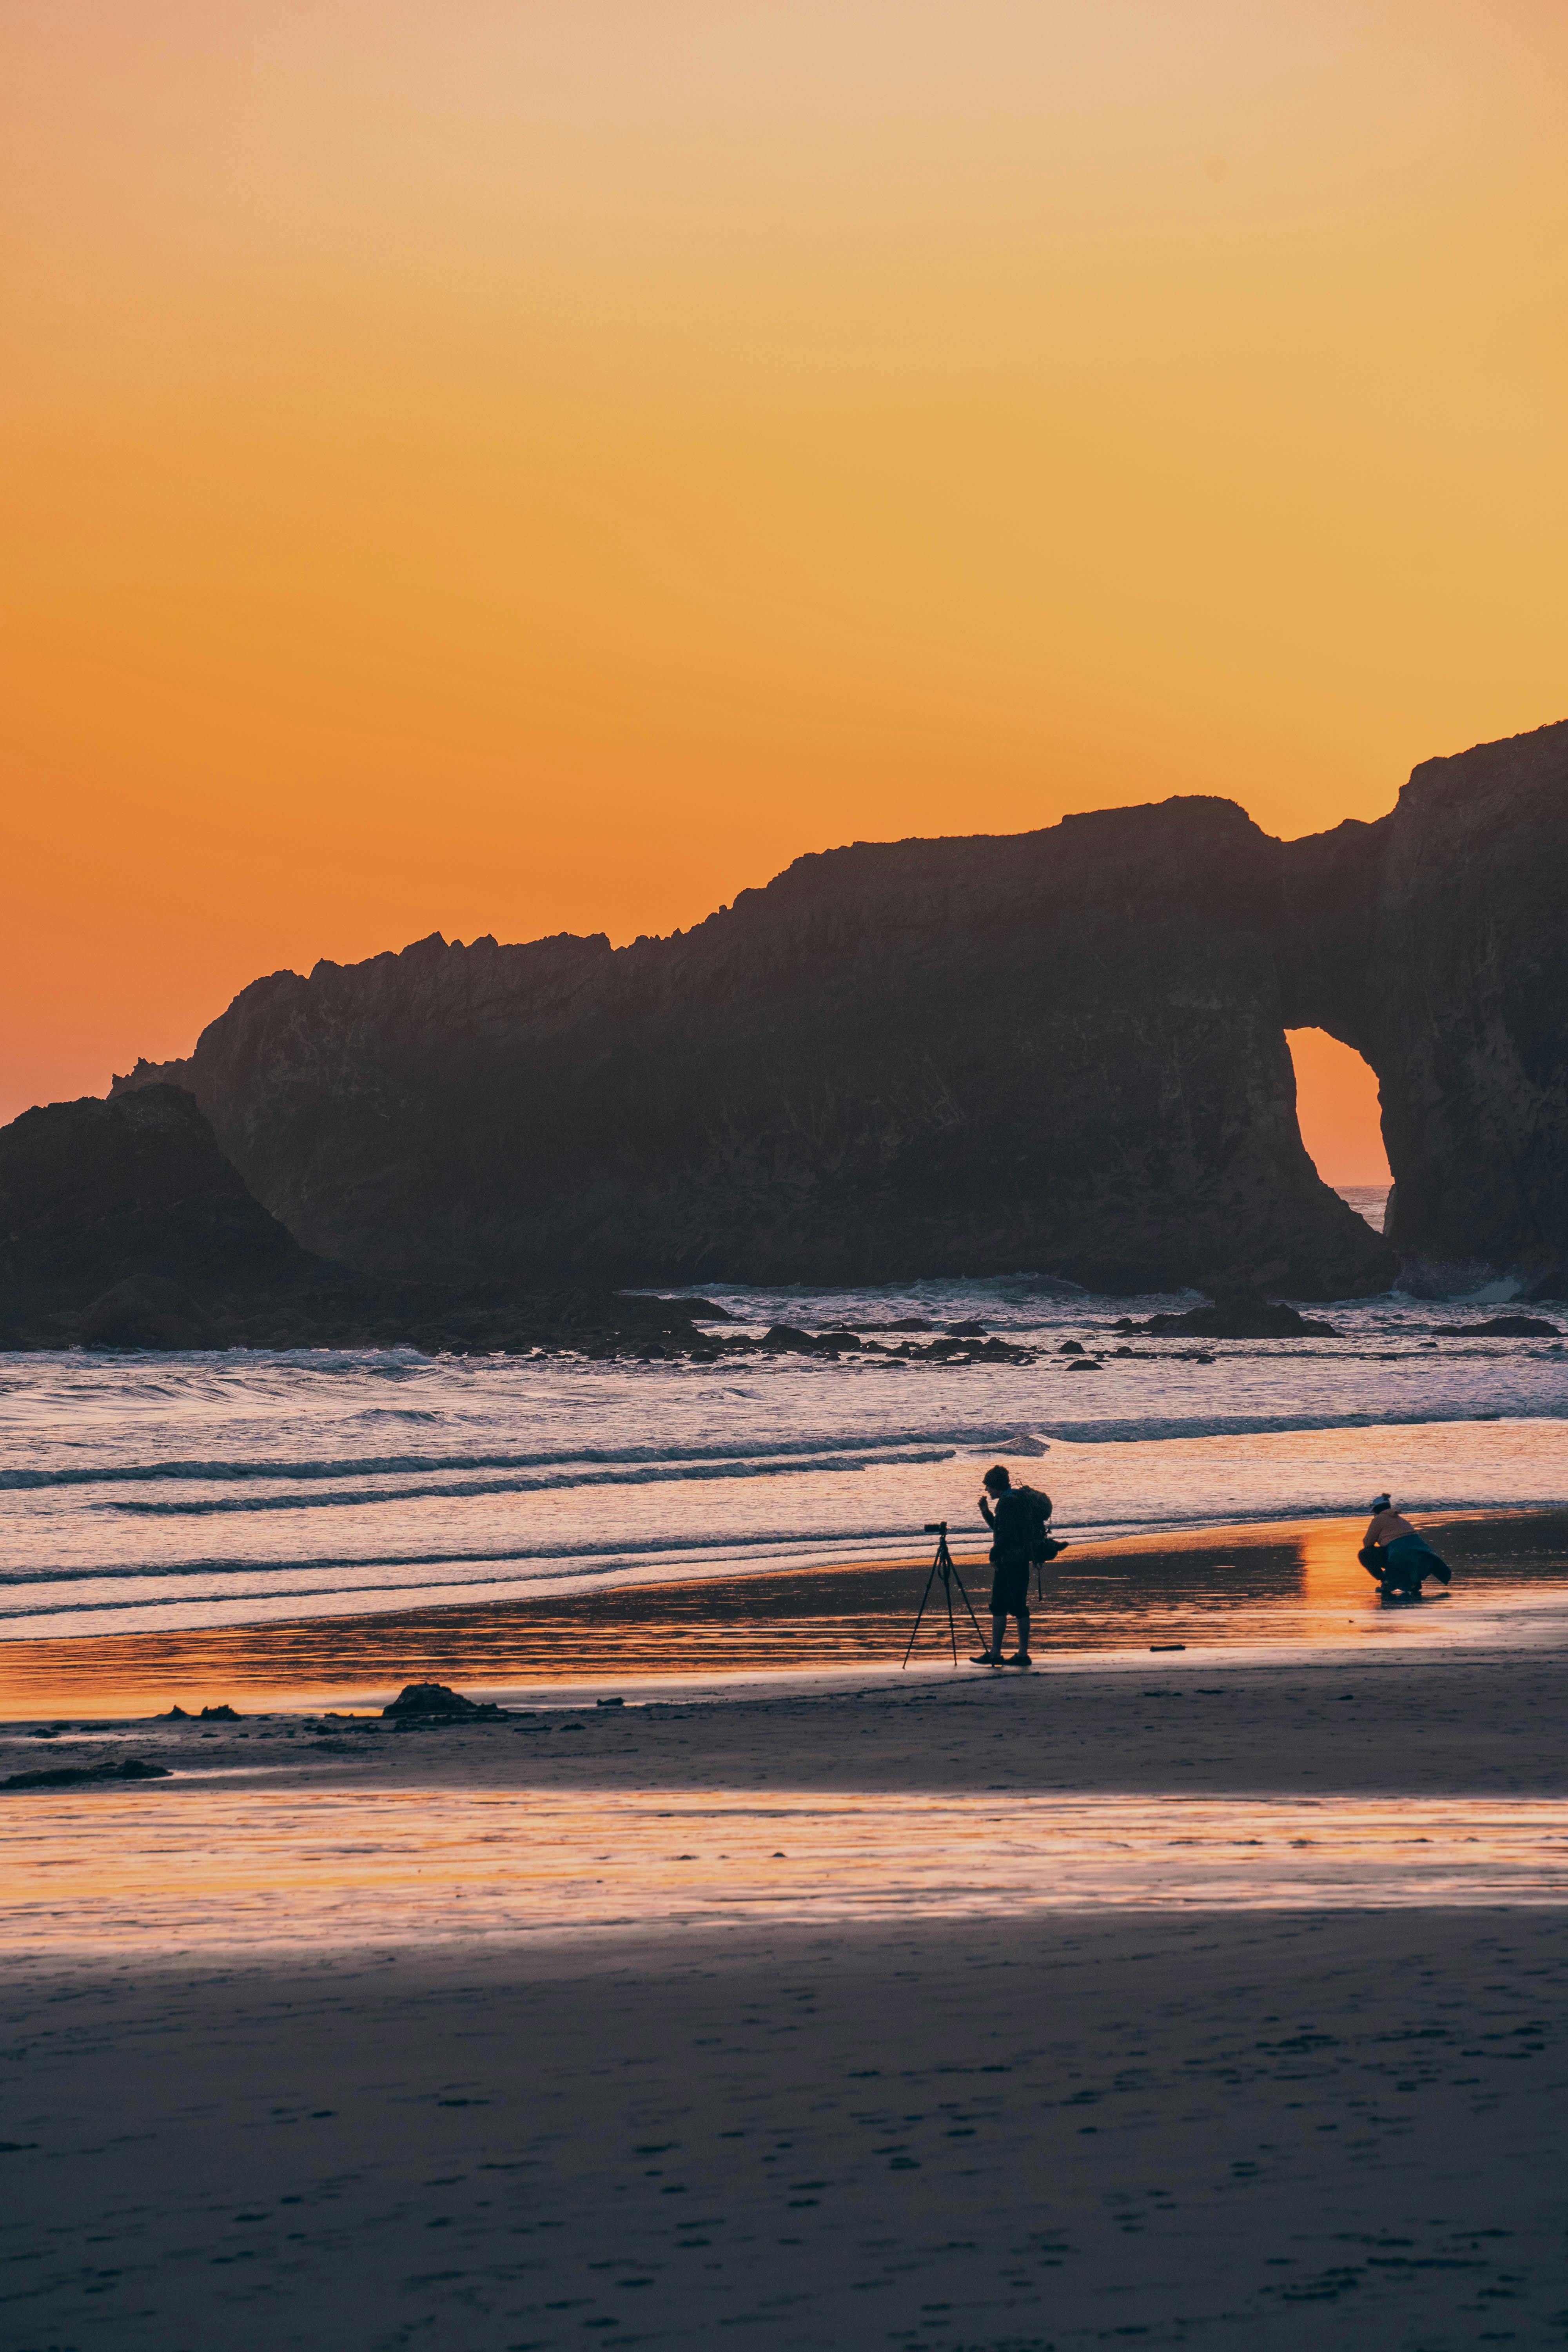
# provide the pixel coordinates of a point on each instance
(1339, 1114)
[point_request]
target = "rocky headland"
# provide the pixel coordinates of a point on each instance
(1061, 1051)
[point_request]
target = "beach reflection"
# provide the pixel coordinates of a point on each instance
(1296, 1583)
(205, 1868)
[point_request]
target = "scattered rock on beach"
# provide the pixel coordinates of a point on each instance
(434, 1700)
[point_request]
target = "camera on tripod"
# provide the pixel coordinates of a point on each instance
(936, 1527)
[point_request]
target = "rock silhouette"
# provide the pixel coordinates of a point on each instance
(76, 1776)
(1234, 1319)
(432, 1700)
(123, 1225)
(1504, 1327)
(1061, 1051)
(1434, 943)
(95, 1196)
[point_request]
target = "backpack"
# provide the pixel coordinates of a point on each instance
(1042, 1544)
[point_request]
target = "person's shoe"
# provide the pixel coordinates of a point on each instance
(1018, 1658)
(984, 1658)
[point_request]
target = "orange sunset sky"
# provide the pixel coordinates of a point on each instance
(519, 467)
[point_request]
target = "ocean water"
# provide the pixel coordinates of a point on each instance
(154, 1493)
(1368, 1201)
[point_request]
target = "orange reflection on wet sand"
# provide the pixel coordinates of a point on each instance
(202, 1867)
(1280, 1583)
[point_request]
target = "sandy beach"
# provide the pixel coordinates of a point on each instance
(1214, 1995)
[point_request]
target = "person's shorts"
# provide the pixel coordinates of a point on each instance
(1009, 1586)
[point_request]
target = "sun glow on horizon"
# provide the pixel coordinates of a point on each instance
(510, 471)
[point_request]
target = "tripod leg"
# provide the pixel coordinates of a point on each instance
(951, 1629)
(921, 1612)
(969, 1606)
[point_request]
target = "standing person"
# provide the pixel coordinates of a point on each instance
(1011, 1524)
(1402, 1558)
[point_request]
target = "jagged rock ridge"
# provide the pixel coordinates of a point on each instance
(1062, 1050)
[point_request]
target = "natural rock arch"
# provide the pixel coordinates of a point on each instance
(1436, 943)
(1062, 1050)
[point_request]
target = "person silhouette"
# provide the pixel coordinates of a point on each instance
(1011, 1522)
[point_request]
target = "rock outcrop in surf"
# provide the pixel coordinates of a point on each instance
(1061, 1051)
(122, 1225)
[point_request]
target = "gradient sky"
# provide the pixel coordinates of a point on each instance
(535, 466)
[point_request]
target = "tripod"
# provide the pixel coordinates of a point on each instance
(943, 1566)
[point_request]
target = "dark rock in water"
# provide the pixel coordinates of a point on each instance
(1062, 1051)
(964, 1330)
(1076, 1347)
(1236, 1318)
(783, 1338)
(223, 1714)
(73, 1776)
(434, 1699)
(122, 1225)
(1505, 1327)
(126, 1208)
(146, 1310)
(174, 1715)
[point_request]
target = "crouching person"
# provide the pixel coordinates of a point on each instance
(1399, 1558)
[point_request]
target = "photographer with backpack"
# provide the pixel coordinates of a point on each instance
(1017, 1519)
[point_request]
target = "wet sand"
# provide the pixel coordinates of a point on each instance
(1209, 1997)
(1257, 2130)
(1285, 1581)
